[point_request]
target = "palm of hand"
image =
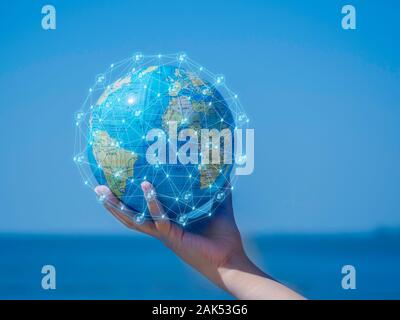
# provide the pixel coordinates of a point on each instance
(213, 246)
(207, 249)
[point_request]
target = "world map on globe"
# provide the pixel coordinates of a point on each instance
(152, 97)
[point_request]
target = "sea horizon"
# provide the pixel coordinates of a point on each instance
(129, 266)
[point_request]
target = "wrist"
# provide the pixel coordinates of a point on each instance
(235, 270)
(244, 280)
(239, 261)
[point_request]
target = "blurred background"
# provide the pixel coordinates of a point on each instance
(324, 103)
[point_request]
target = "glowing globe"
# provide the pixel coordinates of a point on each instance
(155, 97)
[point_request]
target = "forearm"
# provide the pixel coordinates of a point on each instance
(245, 281)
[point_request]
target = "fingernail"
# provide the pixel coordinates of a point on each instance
(101, 195)
(146, 186)
(148, 191)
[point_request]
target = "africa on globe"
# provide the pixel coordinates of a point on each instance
(166, 120)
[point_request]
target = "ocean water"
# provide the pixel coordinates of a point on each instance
(135, 267)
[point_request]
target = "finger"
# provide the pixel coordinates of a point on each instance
(161, 221)
(121, 212)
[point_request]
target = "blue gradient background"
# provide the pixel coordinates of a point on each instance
(324, 103)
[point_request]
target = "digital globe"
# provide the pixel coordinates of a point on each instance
(154, 118)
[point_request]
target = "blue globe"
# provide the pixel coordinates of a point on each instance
(145, 99)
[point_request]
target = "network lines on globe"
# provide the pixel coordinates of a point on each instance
(164, 119)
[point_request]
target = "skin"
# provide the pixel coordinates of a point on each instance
(216, 252)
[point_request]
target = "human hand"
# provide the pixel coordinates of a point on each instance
(217, 252)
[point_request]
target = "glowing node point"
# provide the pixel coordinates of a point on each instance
(220, 196)
(102, 198)
(205, 92)
(242, 118)
(100, 78)
(219, 80)
(150, 195)
(131, 100)
(182, 57)
(187, 196)
(182, 219)
(139, 218)
(138, 56)
(241, 160)
(79, 158)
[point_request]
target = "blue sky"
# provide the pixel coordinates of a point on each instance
(324, 103)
